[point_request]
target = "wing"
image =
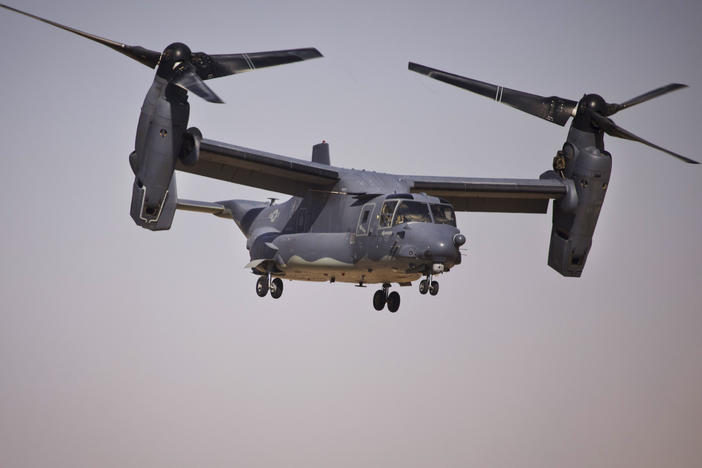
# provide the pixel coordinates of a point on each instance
(496, 195)
(259, 169)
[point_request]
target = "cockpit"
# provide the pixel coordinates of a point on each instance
(396, 212)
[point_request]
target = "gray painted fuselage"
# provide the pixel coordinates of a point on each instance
(337, 235)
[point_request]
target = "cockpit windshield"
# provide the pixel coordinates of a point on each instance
(443, 214)
(411, 211)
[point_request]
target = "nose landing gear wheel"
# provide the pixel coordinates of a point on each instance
(434, 288)
(423, 287)
(262, 286)
(393, 301)
(379, 299)
(276, 288)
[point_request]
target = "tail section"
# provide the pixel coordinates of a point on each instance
(243, 212)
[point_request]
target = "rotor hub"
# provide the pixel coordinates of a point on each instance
(177, 52)
(594, 102)
(173, 56)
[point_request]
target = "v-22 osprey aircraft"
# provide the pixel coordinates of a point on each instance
(358, 226)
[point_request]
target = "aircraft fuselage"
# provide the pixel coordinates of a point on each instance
(351, 233)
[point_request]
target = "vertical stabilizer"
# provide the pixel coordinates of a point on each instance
(320, 153)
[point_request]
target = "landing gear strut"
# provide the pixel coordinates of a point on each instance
(265, 284)
(382, 297)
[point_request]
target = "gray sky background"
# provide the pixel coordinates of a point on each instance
(122, 347)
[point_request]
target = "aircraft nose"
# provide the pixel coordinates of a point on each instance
(442, 251)
(433, 243)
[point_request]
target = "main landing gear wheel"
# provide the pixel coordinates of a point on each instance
(427, 285)
(262, 286)
(393, 301)
(434, 288)
(382, 297)
(379, 299)
(276, 288)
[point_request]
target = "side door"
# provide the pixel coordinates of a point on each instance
(364, 236)
(384, 235)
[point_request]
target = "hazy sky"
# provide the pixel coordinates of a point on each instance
(123, 347)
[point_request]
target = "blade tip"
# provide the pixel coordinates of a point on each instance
(313, 52)
(415, 67)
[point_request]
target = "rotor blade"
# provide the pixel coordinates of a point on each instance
(609, 127)
(191, 81)
(553, 109)
(148, 57)
(215, 66)
(614, 108)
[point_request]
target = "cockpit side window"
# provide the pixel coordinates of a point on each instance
(412, 211)
(386, 214)
(363, 228)
(443, 214)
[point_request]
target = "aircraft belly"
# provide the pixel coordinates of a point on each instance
(330, 257)
(364, 271)
(352, 276)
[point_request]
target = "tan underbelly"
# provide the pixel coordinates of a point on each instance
(364, 271)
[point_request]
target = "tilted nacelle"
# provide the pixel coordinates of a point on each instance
(575, 216)
(161, 139)
(583, 167)
(571, 235)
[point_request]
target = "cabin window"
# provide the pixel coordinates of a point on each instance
(412, 211)
(364, 220)
(386, 214)
(443, 214)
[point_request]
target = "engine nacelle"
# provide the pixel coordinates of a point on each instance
(190, 149)
(159, 141)
(575, 218)
(162, 217)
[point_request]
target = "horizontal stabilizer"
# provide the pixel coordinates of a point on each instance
(204, 207)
